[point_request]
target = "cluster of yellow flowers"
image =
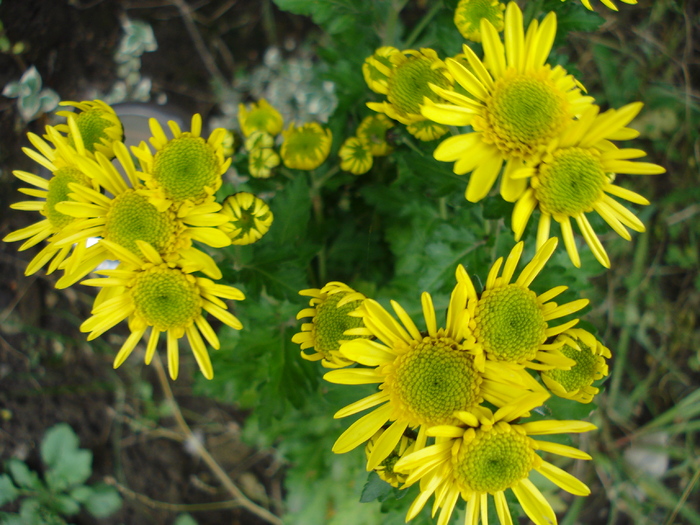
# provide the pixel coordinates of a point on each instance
(147, 218)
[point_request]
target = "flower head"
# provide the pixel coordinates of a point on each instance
(385, 470)
(574, 175)
(373, 129)
(517, 104)
(97, 124)
(262, 161)
(511, 322)
(355, 156)
(607, 3)
(306, 147)
(469, 13)
(249, 218)
(591, 364)
(331, 323)
(163, 298)
(375, 69)
(487, 453)
(260, 116)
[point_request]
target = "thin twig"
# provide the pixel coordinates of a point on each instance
(202, 452)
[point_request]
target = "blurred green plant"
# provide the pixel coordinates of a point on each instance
(32, 100)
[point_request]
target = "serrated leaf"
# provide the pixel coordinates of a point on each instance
(70, 470)
(59, 441)
(22, 475)
(8, 491)
(104, 502)
(375, 488)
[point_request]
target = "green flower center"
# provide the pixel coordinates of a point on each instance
(509, 323)
(133, 218)
(166, 298)
(524, 111)
(331, 321)
(408, 84)
(434, 379)
(494, 460)
(185, 167)
(571, 183)
(93, 128)
(58, 192)
(582, 373)
(305, 143)
(469, 13)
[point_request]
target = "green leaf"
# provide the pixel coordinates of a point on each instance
(23, 476)
(81, 494)
(104, 502)
(185, 519)
(375, 489)
(59, 440)
(68, 465)
(66, 505)
(8, 491)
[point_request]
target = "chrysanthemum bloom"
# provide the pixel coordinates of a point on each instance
(469, 13)
(306, 147)
(164, 298)
(97, 124)
(249, 218)
(575, 175)
(511, 322)
(355, 156)
(423, 377)
(488, 456)
(259, 139)
(62, 161)
(330, 309)
(607, 3)
(591, 364)
(184, 168)
(129, 216)
(373, 129)
(260, 116)
(375, 77)
(385, 470)
(519, 104)
(262, 161)
(407, 84)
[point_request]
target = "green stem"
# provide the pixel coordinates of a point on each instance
(422, 23)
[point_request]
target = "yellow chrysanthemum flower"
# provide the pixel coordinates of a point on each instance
(511, 322)
(97, 124)
(488, 454)
(373, 129)
(258, 140)
(575, 175)
(330, 312)
(407, 83)
(262, 161)
(128, 217)
(62, 162)
(184, 168)
(519, 104)
(249, 218)
(607, 3)
(167, 299)
(469, 13)
(306, 147)
(375, 67)
(385, 470)
(355, 156)
(591, 364)
(423, 376)
(260, 116)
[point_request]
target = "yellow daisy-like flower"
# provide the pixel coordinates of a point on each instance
(373, 129)
(330, 311)
(423, 377)
(62, 162)
(511, 322)
(469, 13)
(262, 161)
(607, 3)
(184, 168)
(385, 470)
(260, 116)
(128, 217)
(249, 218)
(166, 299)
(355, 156)
(407, 83)
(488, 454)
(591, 364)
(97, 124)
(306, 147)
(575, 175)
(375, 67)
(519, 104)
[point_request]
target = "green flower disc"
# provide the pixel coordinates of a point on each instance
(494, 460)
(185, 166)
(133, 218)
(408, 84)
(58, 192)
(509, 323)
(166, 298)
(330, 322)
(571, 182)
(93, 125)
(582, 373)
(434, 379)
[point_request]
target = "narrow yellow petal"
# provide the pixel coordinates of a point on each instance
(362, 429)
(483, 178)
(354, 376)
(592, 240)
(128, 347)
(494, 51)
(534, 503)
(541, 428)
(560, 450)
(429, 313)
(563, 479)
(200, 351)
(538, 261)
(467, 80)
(152, 344)
(363, 404)
(385, 444)
(522, 212)
(173, 355)
(366, 352)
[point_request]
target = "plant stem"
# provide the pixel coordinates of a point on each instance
(422, 23)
